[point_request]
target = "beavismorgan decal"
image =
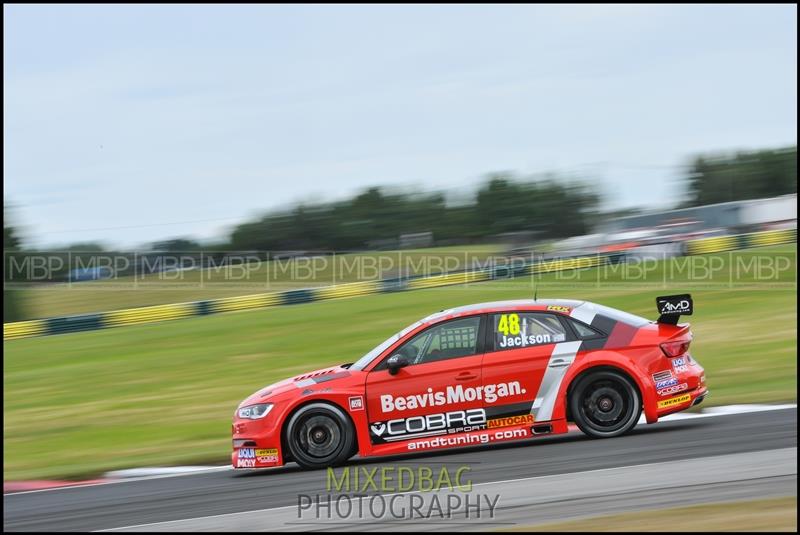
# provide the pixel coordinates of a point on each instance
(453, 394)
(674, 401)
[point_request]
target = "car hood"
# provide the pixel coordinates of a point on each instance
(296, 384)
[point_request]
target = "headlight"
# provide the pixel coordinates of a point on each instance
(254, 412)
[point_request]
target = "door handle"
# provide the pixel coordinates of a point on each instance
(465, 376)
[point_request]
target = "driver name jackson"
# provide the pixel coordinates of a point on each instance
(453, 394)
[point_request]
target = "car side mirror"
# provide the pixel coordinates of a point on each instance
(396, 362)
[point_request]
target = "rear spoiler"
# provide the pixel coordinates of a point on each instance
(672, 307)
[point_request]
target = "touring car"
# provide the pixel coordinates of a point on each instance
(479, 374)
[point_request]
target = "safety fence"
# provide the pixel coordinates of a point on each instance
(148, 314)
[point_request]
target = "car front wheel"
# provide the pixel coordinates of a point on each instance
(320, 435)
(605, 404)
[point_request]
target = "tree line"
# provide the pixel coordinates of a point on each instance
(715, 178)
(549, 208)
(503, 203)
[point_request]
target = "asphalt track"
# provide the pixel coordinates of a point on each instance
(720, 458)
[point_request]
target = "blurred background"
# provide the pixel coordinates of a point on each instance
(161, 155)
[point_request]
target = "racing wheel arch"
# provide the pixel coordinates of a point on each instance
(609, 361)
(318, 400)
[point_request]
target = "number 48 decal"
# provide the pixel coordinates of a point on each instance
(508, 324)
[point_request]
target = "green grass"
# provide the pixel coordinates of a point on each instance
(84, 403)
(774, 514)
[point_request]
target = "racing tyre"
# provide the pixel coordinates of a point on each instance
(605, 404)
(320, 435)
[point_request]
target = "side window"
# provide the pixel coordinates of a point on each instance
(584, 332)
(524, 329)
(450, 340)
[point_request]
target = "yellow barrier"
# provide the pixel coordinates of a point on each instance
(446, 280)
(351, 289)
(24, 329)
(713, 245)
(244, 302)
(132, 316)
(772, 237)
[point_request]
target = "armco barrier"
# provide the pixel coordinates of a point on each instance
(133, 316)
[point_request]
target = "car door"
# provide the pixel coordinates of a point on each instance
(437, 393)
(526, 354)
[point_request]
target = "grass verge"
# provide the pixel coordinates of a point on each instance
(777, 514)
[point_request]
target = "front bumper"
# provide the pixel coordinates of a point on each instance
(256, 444)
(252, 457)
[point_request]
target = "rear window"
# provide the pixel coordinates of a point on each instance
(584, 332)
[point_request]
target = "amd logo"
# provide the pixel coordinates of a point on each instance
(672, 308)
(675, 305)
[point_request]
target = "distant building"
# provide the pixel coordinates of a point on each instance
(734, 216)
(417, 240)
(90, 274)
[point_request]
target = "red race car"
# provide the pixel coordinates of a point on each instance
(478, 374)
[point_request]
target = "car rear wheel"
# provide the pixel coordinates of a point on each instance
(605, 404)
(320, 435)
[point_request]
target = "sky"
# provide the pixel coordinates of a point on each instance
(130, 124)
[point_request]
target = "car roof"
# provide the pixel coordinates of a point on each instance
(497, 306)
